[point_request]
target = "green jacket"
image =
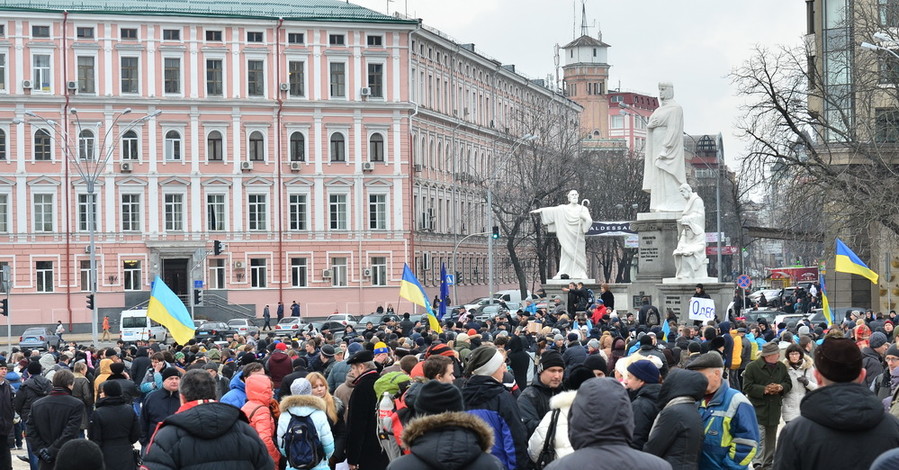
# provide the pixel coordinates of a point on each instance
(755, 378)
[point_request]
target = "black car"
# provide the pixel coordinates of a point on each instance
(214, 330)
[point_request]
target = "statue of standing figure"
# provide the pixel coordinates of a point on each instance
(571, 222)
(664, 168)
(690, 260)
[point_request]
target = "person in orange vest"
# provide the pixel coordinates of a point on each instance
(105, 328)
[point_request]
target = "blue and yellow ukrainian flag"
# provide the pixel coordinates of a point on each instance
(848, 262)
(825, 304)
(411, 290)
(169, 311)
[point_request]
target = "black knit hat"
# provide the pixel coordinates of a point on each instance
(34, 368)
(80, 454)
(596, 362)
(437, 397)
(644, 370)
(551, 359)
(117, 368)
(578, 375)
(111, 388)
(170, 372)
(838, 359)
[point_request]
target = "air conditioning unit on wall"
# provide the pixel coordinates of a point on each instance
(368, 166)
(72, 85)
(126, 167)
(296, 166)
(26, 84)
(238, 265)
(246, 166)
(366, 272)
(326, 274)
(365, 91)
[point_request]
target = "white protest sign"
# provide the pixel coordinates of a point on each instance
(702, 309)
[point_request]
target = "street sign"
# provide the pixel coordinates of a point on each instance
(198, 284)
(702, 309)
(744, 281)
(450, 279)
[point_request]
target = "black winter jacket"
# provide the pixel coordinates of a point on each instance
(6, 407)
(574, 355)
(37, 386)
(139, 365)
(645, 408)
(53, 421)
(363, 447)
(448, 441)
(114, 428)
(209, 436)
(519, 360)
(492, 402)
(840, 426)
(873, 363)
(677, 433)
(600, 425)
(533, 403)
(129, 389)
(158, 405)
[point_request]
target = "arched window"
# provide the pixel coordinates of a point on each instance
(172, 146)
(297, 147)
(338, 147)
(42, 145)
(214, 144)
(130, 146)
(257, 147)
(86, 148)
(376, 148)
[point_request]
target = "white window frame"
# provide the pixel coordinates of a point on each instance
(383, 65)
(384, 151)
(217, 273)
(3, 78)
(255, 225)
(378, 271)
(305, 148)
(139, 212)
(263, 86)
(137, 75)
(258, 273)
(292, 222)
(5, 199)
(179, 211)
(82, 214)
(344, 84)
(224, 74)
(132, 277)
(339, 223)
(223, 134)
(180, 60)
(384, 222)
(169, 145)
(224, 214)
(52, 144)
(304, 82)
(299, 272)
(344, 134)
(35, 72)
(339, 272)
(93, 81)
(87, 145)
(249, 133)
(34, 211)
(41, 285)
(127, 142)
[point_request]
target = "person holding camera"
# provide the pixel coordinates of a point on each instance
(54, 419)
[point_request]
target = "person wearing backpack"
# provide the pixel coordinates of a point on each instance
(260, 411)
(304, 435)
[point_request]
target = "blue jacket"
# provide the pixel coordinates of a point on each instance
(489, 400)
(731, 430)
(237, 396)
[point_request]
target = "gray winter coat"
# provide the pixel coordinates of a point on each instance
(601, 426)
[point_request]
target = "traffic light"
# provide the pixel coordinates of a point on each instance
(217, 247)
(4, 307)
(198, 296)
(90, 301)
(495, 232)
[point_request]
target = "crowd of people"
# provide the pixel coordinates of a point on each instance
(537, 389)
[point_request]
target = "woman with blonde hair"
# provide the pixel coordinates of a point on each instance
(335, 413)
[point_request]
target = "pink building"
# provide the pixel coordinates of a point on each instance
(628, 115)
(313, 146)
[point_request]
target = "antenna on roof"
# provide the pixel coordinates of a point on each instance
(585, 30)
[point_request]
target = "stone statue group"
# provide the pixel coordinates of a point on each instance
(664, 178)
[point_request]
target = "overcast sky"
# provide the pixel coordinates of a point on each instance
(694, 44)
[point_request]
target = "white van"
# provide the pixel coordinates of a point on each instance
(137, 326)
(512, 298)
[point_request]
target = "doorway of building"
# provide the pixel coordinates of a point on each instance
(175, 275)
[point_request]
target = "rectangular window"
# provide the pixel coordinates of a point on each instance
(336, 40)
(131, 212)
(215, 212)
(254, 36)
(375, 40)
(4, 213)
(376, 80)
(214, 83)
(296, 38)
(41, 73)
(86, 75)
(129, 34)
(256, 212)
(298, 208)
(129, 72)
(44, 271)
(298, 272)
(296, 78)
(130, 146)
(214, 36)
(174, 212)
(84, 205)
(337, 205)
(258, 272)
(2, 71)
(85, 271)
(887, 125)
(338, 271)
(377, 211)
(172, 75)
(338, 79)
(2, 30)
(379, 271)
(132, 274)
(216, 273)
(617, 122)
(255, 78)
(84, 32)
(171, 34)
(43, 212)
(40, 31)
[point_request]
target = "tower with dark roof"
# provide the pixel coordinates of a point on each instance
(586, 76)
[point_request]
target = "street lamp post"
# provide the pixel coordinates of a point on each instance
(455, 271)
(89, 167)
(516, 144)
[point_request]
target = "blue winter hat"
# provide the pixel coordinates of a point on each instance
(353, 348)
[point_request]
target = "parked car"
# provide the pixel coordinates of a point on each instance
(329, 325)
(215, 330)
(377, 319)
(790, 317)
(344, 318)
(38, 338)
(244, 326)
(289, 325)
(755, 315)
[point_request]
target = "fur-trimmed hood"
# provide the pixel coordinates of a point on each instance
(562, 400)
(807, 363)
(299, 401)
(448, 441)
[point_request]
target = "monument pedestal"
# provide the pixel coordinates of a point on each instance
(658, 239)
(677, 297)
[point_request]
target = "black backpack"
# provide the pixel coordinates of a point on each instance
(652, 317)
(301, 443)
